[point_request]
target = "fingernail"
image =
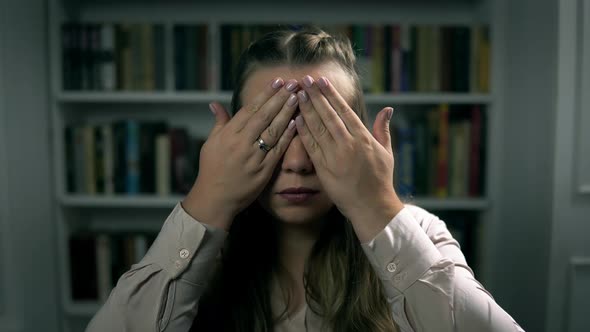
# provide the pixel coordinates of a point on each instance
(299, 121)
(291, 86)
(212, 109)
(323, 82)
(302, 96)
(277, 83)
(292, 100)
(389, 113)
(308, 81)
(291, 124)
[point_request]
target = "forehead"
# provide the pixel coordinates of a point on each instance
(263, 76)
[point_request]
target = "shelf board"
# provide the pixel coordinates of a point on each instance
(143, 97)
(114, 201)
(465, 204)
(225, 97)
(429, 98)
(150, 201)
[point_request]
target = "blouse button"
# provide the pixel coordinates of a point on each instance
(391, 267)
(184, 253)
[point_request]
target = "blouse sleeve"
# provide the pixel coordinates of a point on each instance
(162, 291)
(426, 279)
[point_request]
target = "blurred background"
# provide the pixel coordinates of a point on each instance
(103, 108)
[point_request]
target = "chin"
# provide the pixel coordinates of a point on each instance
(297, 217)
(298, 214)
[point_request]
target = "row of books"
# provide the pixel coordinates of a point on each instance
(109, 57)
(97, 260)
(393, 58)
(130, 157)
(440, 152)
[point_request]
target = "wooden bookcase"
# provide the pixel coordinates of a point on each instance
(119, 213)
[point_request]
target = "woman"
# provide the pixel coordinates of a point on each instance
(293, 223)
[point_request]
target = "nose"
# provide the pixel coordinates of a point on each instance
(296, 159)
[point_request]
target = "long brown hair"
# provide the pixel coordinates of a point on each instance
(341, 286)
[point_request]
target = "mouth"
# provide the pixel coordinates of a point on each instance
(298, 195)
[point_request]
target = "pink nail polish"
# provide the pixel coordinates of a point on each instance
(292, 100)
(308, 81)
(291, 86)
(323, 82)
(302, 96)
(277, 83)
(291, 124)
(299, 121)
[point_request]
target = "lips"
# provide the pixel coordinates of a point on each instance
(298, 195)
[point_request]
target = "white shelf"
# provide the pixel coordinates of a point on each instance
(150, 201)
(206, 97)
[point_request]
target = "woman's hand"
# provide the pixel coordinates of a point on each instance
(354, 167)
(233, 170)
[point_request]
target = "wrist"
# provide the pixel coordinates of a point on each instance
(207, 211)
(371, 219)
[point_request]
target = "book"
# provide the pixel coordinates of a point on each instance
(442, 173)
(88, 139)
(103, 266)
(163, 160)
(108, 158)
(148, 131)
(132, 147)
(107, 58)
(475, 151)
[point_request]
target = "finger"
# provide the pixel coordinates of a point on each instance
(241, 118)
(314, 124)
(274, 155)
(329, 117)
(349, 117)
(381, 130)
(311, 146)
(276, 128)
(260, 121)
(221, 117)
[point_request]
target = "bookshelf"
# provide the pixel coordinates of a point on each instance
(118, 212)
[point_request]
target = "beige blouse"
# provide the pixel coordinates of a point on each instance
(424, 273)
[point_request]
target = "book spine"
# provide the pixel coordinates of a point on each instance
(163, 170)
(99, 159)
(179, 57)
(103, 266)
(474, 152)
(474, 56)
(107, 63)
(89, 160)
(159, 58)
(108, 158)
(442, 188)
(435, 73)
(146, 45)
(132, 149)
(70, 161)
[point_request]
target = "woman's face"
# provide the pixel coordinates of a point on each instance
(295, 169)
